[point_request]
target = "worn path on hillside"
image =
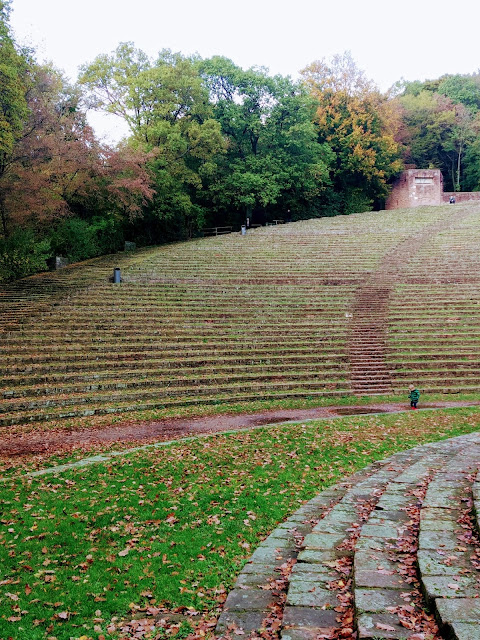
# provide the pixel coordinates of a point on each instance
(57, 440)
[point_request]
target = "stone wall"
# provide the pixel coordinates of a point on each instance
(461, 196)
(423, 187)
(416, 188)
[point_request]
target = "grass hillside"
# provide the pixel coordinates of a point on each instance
(318, 311)
(148, 544)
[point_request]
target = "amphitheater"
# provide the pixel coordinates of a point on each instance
(327, 309)
(364, 304)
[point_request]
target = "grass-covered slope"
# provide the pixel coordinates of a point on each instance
(161, 534)
(319, 309)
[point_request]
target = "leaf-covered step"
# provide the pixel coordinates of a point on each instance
(172, 379)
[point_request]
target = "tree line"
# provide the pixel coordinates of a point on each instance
(209, 144)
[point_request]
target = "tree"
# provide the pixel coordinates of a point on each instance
(464, 132)
(352, 118)
(13, 104)
(273, 159)
(166, 107)
(57, 167)
(438, 133)
(462, 89)
(52, 167)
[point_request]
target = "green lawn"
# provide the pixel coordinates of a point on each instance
(170, 527)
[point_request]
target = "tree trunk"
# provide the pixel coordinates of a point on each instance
(3, 215)
(459, 164)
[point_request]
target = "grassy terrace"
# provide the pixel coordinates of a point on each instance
(434, 324)
(231, 319)
(162, 533)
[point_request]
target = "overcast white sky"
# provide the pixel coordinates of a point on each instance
(410, 39)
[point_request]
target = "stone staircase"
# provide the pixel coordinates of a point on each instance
(368, 339)
(392, 552)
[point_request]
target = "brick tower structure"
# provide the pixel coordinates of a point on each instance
(416, 188)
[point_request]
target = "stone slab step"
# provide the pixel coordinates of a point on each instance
(448, 546)
(357, 532)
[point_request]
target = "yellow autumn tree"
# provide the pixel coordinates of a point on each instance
(357, 122)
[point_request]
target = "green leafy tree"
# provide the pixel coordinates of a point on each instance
(13, 102)
(471, 181)
(438, 133)
(462, 89)
(167, 110)
(273, 160)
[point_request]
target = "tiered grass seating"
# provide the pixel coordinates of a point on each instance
(203, 322)
(286, 311)
(434, 320)
(22, 300)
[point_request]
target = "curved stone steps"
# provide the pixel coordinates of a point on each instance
(448, 547)
(384, 588)
(344, 560)
(333, 509)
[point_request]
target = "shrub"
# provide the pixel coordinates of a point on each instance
(108, 233)
(21, 254)
(76, 240)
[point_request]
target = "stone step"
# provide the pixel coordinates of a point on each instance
(171, 378)
(355, 540)
(333, 512)
(360, 383)
(168, 389)
(449, 546)
(90, 409)
(383, 589)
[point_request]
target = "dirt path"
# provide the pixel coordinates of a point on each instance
(51, 442)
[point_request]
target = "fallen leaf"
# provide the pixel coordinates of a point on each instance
(384, 627)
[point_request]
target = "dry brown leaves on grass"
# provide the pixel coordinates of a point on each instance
(155, 623)
(37, 442)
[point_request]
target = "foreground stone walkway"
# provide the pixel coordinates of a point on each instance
(377, 556)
